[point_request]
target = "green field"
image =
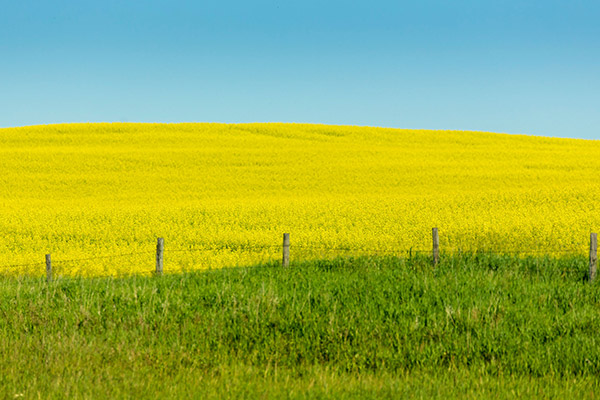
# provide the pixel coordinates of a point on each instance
(477, 326)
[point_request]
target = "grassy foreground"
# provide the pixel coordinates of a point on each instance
(477, 326)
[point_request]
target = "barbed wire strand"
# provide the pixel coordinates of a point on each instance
(23, 265)
(103, 257)
(223, 248)
(358, 251)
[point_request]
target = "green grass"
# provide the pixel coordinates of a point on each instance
(476, 326)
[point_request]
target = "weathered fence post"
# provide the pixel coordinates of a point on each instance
(286, 250)
(48, 268)
(593, 255)
(160, 249)
(436, 246)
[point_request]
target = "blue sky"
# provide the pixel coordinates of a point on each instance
(529, 67)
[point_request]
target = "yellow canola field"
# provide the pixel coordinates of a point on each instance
(223, 194)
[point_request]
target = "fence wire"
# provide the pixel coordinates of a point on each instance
(197, 256)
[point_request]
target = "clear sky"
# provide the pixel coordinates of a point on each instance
(515, 66)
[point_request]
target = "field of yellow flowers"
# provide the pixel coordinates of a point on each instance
(223, 194)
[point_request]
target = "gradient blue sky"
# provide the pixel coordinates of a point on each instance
(523, 66)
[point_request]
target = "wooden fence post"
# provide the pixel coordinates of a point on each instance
(160, 249)
(48, 268)
(436, 246)
(593, 255)
(286, 250)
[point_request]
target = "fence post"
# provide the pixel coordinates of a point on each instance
(48, 268)
(436, 246)
(160, 249)
(286, 250)
(593, 255)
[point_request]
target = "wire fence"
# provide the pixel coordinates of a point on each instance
(196, 256)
